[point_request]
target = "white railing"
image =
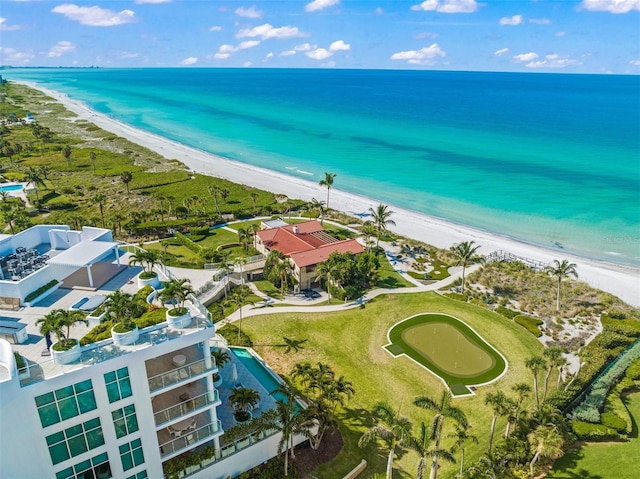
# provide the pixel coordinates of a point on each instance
(181, 373)
(191, 437)
(185, 407)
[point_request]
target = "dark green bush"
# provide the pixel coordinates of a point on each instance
(613, 421)
(199, 231)
(151, 318)
(143, 293)
(20, 363)
(531, 324)
(593, 432)
(99, 333)
(506, 312)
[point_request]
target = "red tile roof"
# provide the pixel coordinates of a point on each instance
(318, 255)
(306, 243)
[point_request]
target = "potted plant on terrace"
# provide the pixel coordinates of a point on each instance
(176, 292)
(243, 400)
(147, 259)
(59, 322)
(121, 308)
(221, 358)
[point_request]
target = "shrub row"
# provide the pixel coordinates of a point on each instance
(593, 432)
(186, 242)
(506, 312)
(530, 324)
(589, 408)
(40, 290)
(456, 296)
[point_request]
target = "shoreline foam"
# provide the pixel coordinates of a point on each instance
(620, 280)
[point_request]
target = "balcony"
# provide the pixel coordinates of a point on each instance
(187, 406)
(177, 441)
(176, 367)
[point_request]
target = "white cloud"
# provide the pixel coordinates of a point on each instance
(319, 54)
(7, 28)
(635, 63)
(339, 45)
(500, 52)
(319, 5)
(561, 34)
(515, 20)
(140, 2)
(378, 11)
(448, 6)
(221, 56)
(129, 55)
(303, 47)
(11, 56)
(287, 53)
(269, 31)
(269, 55)
(60, 49)
(540, 21)
(250, 12)
(552, 60)
(247, 64)
(215, 28)
(611, 6)
(189, 61)
(94, 16)
(525, 57)
(227, 49)
(424, 56)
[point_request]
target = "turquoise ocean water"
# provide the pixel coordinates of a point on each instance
(547, 159)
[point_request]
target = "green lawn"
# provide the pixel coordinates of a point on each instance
(389, 277)
(352, 343)
(611, 460)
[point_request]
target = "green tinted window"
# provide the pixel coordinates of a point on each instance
(65, 403)
(118, 384)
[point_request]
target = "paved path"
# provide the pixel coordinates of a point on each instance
(300, 305)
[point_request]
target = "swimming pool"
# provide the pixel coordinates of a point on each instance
(13, 187)
(259, 371)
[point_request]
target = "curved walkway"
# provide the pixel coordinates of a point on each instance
(267, 306)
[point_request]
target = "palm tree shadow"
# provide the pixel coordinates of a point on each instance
(568, 464)
(357, 418)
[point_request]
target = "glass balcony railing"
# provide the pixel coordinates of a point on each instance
(186, 440)
(179, 374)
(186, 407)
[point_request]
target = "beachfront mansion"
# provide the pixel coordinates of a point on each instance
(155, 407)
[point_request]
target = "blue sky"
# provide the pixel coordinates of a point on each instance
(584, 36)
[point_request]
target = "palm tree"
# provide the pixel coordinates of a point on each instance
(320, 206)
(461, 436)
(176, 291)
(422, 446)
(392, 427)
(522, 390)
(553, 355)
(283, 270)
(500, 405)
(122, 308)
(545, 441)
(33, 177)
(59, 323)
(443, 410)
(145, 258)
(99, 200)
(368, 230)
(326, 270)
(465, 254)
(289, 421)
(252, 230)
(328, 183)
(243, 400)
(221, 357)
(536, 364)
(561, 270)
(244, 238)
(44, 171)
(66, 152)
(126, 178)
(382, 220)
(238, 298)
(92, 157)
(239, 263)
(254, 197)
(215, 192)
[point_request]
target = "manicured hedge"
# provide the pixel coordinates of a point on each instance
(188, 243)
(613, 421)
(593, 432)
(457, 296)
(506, 312)
(40, 290)
(530, 324)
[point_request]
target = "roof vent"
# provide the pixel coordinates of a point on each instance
(296, 230)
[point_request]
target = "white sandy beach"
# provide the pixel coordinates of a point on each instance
(622, 281)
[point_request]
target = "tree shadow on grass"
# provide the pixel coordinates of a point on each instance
(565, 468)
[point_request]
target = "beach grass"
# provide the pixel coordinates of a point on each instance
(352, 343)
